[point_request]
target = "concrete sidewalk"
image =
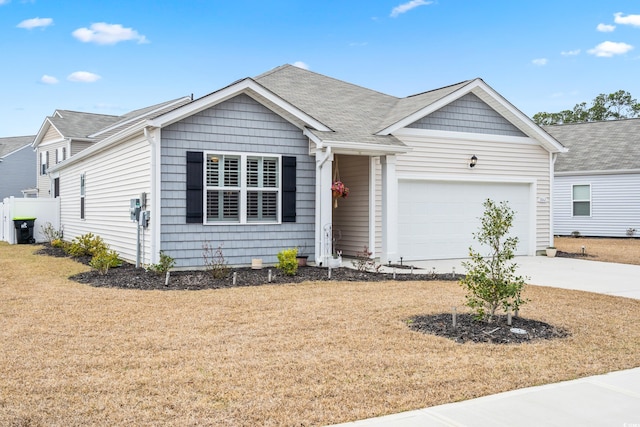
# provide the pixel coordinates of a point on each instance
(604, 400)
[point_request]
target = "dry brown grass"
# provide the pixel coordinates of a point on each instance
(625, 251)
(308, 354)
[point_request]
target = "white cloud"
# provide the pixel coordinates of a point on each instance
(103, 33)
(32, 23)
(83, 76)
(605, 28)
(608, 49)
(570, 52)
(405, 7)
(48, 80)
(627, 20)
(4, 2)
(540, 61)
(358, 44)
(301, 64)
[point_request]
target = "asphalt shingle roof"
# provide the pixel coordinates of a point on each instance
(354, 113)
(75, 124)
(13, 143)
(598, 146)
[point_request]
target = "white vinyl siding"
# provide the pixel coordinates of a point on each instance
(581, 200)
(445, 156)
(351, 216)
(614, 205)
(107, 199)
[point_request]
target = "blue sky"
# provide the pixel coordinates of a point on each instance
(112, 57)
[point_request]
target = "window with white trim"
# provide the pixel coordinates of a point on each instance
(61, 153)
(581, 198)
(242, 188)
(44, 162)
(82, 194)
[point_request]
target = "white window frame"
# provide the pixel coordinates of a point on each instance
(574, 200)
(83, 192)
(44, 162)
(243, 188)
(60, 154)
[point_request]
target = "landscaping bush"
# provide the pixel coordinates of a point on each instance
(86, 245)
(215, 261)
(165, 264)
(287, 261)
(50, 233)
(491, 282)
(104, 260)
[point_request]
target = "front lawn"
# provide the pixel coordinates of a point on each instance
(314, 353)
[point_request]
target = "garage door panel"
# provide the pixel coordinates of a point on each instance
(437, 219)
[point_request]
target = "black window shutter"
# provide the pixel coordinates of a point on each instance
(195, 186)
(288, 189)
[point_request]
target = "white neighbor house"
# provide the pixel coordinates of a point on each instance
(251, 165)
(596, 189)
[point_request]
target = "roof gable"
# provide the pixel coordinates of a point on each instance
(491, 98)
(468, 114)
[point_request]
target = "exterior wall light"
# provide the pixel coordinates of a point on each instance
(473, 161)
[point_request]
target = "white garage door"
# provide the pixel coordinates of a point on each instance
(437, 218)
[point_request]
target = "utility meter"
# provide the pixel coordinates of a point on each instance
(134, 210)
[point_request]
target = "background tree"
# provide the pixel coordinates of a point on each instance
(617, 105)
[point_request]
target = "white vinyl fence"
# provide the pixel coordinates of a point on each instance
(44, 210)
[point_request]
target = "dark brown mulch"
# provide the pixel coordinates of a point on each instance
(467, 330)
(573, 255)
(129, 277)
(470, 330)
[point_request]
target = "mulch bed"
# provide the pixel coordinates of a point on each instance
(467, 329)
(563, 254)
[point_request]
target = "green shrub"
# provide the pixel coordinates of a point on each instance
(287, 261)
(165, 264)
(491, 282)
(86, 245)
(104, 260)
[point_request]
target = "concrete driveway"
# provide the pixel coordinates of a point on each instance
(568, 273)
(604, 400)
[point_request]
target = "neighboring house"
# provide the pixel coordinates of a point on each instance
(596, 190)
(66, 133)
(16, 166)
(250, 167)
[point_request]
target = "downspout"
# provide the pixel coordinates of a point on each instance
(155, 198)
(553, 157)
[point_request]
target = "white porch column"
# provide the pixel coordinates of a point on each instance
(389, 210)
(324, 206)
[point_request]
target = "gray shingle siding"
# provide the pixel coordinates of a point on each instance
(468, 114)
(17, 172)
(236, 125)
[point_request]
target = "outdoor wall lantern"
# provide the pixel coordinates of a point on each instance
(473, 161)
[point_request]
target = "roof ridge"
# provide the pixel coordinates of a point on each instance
(286, 66)
(443, 87)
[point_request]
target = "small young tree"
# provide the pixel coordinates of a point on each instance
(491, 281)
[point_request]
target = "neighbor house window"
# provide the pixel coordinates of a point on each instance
(581, 197)
(82, 194)
(242, 188)
(61, 154)
(44, 162)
